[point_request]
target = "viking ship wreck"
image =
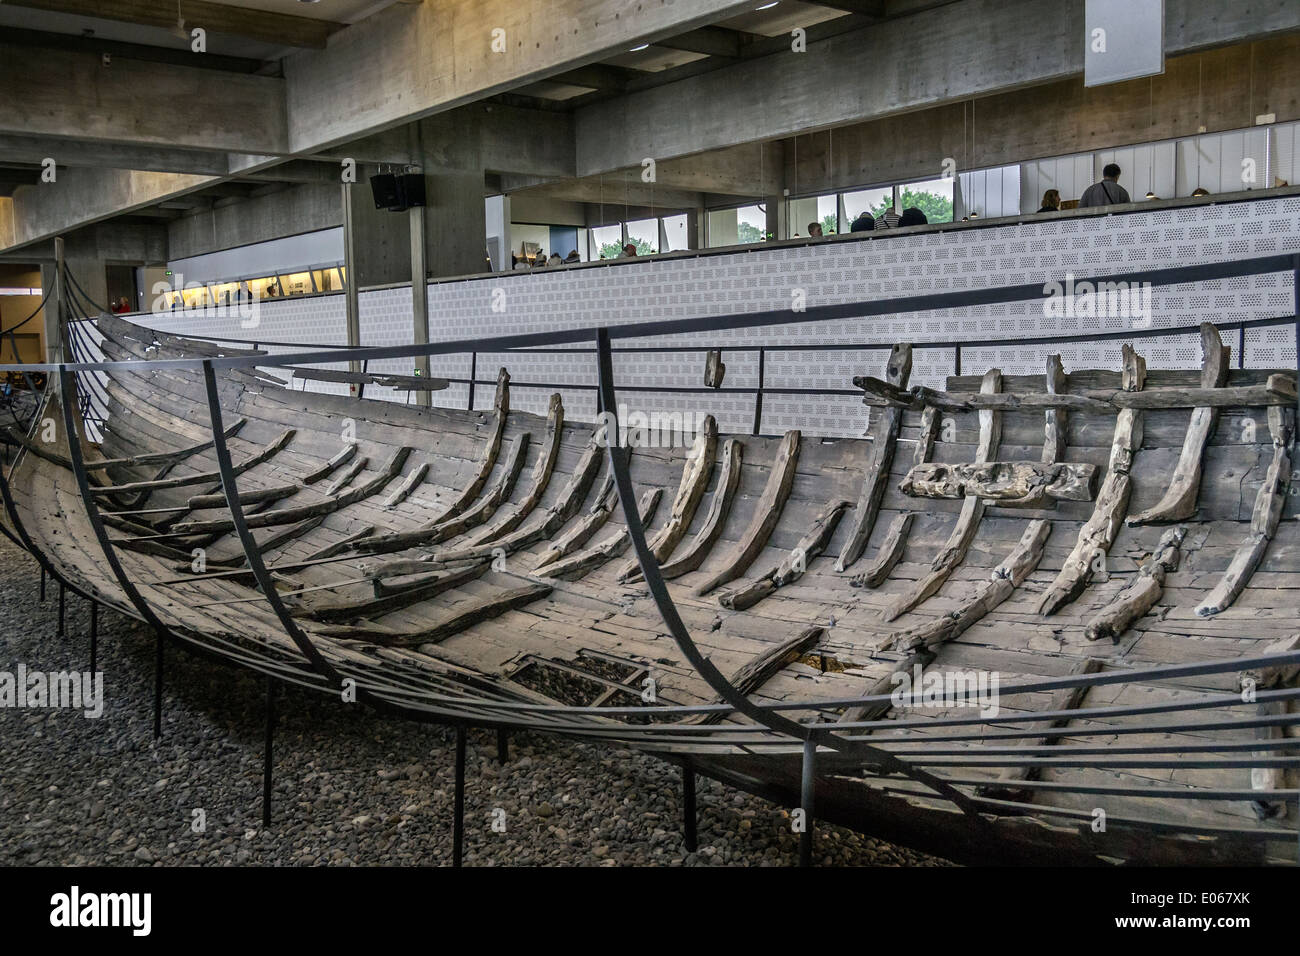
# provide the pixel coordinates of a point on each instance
(1023, 618)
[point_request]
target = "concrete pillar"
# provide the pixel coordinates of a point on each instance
(419, 295)
(454, 226)
(497, 225)
(350, 286)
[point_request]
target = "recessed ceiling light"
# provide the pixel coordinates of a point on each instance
(769, 6)
(638, 49)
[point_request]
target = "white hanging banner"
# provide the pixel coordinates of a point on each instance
(1123, 39)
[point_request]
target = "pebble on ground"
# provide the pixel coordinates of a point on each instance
(350, 787)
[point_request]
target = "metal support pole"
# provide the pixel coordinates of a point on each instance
(806, 802)
(157, 687)
(690, 833)
(503, 745)
(956, 360)
(458, 812)
(473, 374)
(267, 751)
(758, 396)
(62, 604)
(42, 584)
(94, 635)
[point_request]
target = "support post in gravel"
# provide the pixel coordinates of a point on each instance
(806, 802)
(62, 603)
(94, 634)
(42, 584)
(458, 811)
(503, 746)
(689, 819)
(157, 687)
(267, 751)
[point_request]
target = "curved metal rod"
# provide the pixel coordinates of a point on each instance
(618, 463)
(11, 510)
(263, 577)
(68, 383)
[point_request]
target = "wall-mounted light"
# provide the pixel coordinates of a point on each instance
(768, 6)
(638, 49)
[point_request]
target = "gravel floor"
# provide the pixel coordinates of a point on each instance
(350, 787)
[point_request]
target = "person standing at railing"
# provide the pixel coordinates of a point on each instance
(1108, 192)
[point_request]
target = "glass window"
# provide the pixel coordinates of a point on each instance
(751, 224)
(874, 201)
(677, 233)
(644, 234)
(823, 210)
(606, 242)
(933, 197)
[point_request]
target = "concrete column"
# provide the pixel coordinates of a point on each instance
(419, 295)
(350, 285)
(454, 224)
(52, 279)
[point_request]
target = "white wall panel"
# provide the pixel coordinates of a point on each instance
(877, 265)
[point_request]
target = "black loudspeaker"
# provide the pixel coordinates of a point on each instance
(397, 193)
(387, 193)
(411, 186)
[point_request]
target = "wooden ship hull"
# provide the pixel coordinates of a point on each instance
(1114, 549)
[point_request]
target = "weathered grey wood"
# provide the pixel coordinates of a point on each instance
(566, 505)
(1249, 682)
(462, 618)
(540, 478)
(1056, 420)
(356, 467)
(91, 464)
(409, 484)
(954, 549)
(1142, 593)
(891, 550)
(332, 375)
(792, 567)
(1004, 580)
(696, 472)
(179, 481)
(1279, 389)
(926, 435)
(753, 674)
(1098, 532)
(876, 470)
(488, 460)
(714, 369)
(272, 493)
(1179, 500)
(581, 532)
(431, 534)
(1264, 517)
(697, 549)
(1067, 698)
(1006, 482)
(584, 562)
(344, 454)
(413, 383)
(767, 512)
(298, 513)
(389, 597)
